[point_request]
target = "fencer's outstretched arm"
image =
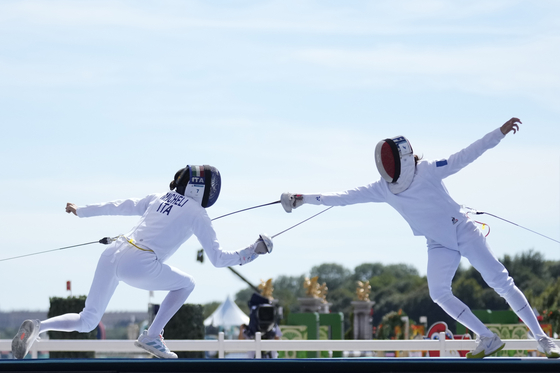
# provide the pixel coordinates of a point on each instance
(124, 207)
(510, 125)
(457, 161)
(368, 193)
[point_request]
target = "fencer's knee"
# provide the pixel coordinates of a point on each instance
(189, 283)
(439, 295)
(502, 284)
(186, 285)
(89, 321)
(509, 292)
(190, 286)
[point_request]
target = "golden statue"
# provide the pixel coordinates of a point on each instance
(314, 290)
(266, 288)
(322, 292)
(363, 290)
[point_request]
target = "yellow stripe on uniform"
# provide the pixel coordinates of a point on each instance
(136, 246)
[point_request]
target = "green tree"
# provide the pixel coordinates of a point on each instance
(529, 270)
(365, 271)
(209, 308)
(334, 275)
(287, 289)
(400, 287)
(469, 291)
(187, 323)
(242, 298)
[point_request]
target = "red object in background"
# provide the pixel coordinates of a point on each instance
(68, 286)
(101, 334)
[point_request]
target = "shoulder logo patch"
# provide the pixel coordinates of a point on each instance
(441, 163)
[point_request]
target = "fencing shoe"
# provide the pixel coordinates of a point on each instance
(26, 335)
(486, 346)
(548, 347)
(155, 346)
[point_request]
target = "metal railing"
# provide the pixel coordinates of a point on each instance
(258, 345)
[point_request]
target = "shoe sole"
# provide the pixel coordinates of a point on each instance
(20, 341)
(482, 355)
(552, 355)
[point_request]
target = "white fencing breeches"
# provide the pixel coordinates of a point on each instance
(443, 263)
(141, 269)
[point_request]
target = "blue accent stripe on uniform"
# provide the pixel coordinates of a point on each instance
(441, 163)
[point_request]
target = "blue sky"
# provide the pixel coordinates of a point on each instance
(104, 100)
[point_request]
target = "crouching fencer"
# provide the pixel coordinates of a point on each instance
(138, 257)
(415, 188)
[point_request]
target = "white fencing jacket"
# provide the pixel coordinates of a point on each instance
(168, 220)
(425, 205)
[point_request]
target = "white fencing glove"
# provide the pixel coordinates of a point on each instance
(262, 245)
(291, 201)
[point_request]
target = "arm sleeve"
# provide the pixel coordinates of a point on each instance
(461, 159)
(204, 231)
(369, 193)
(120, 207)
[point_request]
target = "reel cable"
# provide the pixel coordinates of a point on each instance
(104, 240)
(476, 212)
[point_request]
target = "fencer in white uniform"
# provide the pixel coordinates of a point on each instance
(416, 190)
(138, 257)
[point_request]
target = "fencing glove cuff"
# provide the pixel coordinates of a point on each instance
(262, 245)
(291, 201)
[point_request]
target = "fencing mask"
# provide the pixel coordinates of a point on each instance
(200, 183)
(395, 162)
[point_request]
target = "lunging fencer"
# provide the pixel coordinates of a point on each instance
(415, 188)
(138, 257)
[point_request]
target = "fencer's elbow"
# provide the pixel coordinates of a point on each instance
(219, 265)
(214, 262)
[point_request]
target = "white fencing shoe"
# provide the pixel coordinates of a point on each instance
(486, 346)
(155, 346)
(548, 347)
(26, 335)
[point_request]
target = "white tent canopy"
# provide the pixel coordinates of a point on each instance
(227, 315)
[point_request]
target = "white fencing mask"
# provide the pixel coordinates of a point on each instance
(395, 162)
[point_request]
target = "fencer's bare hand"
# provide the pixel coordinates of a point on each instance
(511, 125)
(71, 208)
